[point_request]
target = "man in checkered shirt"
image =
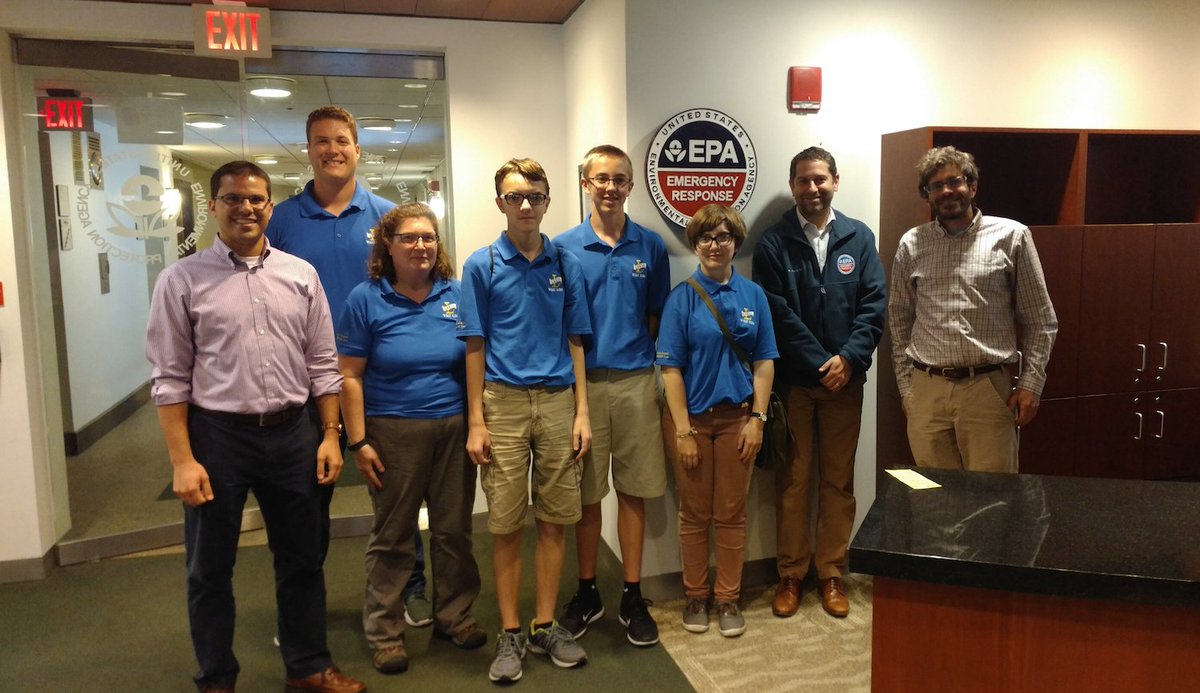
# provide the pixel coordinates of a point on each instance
(960, 285)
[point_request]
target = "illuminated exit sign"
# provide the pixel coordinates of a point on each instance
(64, 113)
(232, 31)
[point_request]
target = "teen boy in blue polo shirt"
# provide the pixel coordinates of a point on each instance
(524, 319)
(331, 224)
(628, 276)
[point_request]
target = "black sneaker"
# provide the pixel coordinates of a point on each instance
(581, 611)
(640, 627)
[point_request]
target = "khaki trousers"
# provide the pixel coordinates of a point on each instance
(962, 424)
(826, 426)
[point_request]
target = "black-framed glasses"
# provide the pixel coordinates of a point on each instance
(603, 181)
(723, 240)
(235, 200)
(414, 238)
(534, 199)
(953, 183)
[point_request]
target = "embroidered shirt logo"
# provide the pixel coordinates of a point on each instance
(371, 236)
(450, 310)
(747, 316)
(556, 282)
(639, 268)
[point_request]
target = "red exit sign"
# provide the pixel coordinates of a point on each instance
(64, 113)
(231, 31)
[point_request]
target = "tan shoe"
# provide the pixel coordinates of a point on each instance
(329, 681)
(392, 659)
(787, 597)
(833, 597)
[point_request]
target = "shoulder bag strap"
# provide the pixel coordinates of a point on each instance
(721, 323)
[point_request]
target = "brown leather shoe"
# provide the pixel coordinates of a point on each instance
(329, 681)
(833, 597)
(787, 597)
(392, 659)
(469, 637)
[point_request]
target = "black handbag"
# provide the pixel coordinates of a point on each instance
(777, 441)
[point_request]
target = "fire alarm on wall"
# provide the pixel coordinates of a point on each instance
(804, 89)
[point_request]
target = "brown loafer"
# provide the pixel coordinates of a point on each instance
(469, 637)
(329, 681)
(833, 597)
(787, 597)
(392, 659)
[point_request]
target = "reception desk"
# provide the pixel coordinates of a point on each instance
(1017, 582)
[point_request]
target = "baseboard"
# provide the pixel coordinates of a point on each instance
(78, 441)
(669, 586)
(26, 569)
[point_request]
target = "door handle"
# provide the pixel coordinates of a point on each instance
(1142, 368)
(1139, 417)
(1162, 423)
(1162, 366)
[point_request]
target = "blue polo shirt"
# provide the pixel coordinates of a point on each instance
(337, 246)
(624, 284)
(690, 339)
(415, 364)
(524, 310)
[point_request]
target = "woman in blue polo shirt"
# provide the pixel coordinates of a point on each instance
(713, 421)
(403, 404)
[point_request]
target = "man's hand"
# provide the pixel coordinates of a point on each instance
(369, 465)
(191, 484)
(329, 461)
(1024, 405)
(581, 436)
(479, 444)
(836, 373)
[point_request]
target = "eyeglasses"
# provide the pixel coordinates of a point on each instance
(412, 238)
(534, 199)
(721, 239)
(235, 200)
(602, 181)
(952, 183)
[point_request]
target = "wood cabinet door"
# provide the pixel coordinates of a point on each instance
(1175, 322)
(1060, 249)
(1048, 442)
(1116, 284)
(1172, 434)
(1110, 435)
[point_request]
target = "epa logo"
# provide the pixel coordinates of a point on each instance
(674, 151)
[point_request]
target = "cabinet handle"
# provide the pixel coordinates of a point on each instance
(1138, 414)
(1162, 423)
(1163, 365)
(1142, 349)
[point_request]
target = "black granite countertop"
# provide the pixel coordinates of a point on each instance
(1086, 538)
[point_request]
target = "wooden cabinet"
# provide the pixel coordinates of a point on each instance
(1115, 217)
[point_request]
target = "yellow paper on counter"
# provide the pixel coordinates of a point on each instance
(913, 479)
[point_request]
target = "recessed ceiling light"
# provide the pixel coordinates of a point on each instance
(372, 123)
(174, 94)
(205, 121)
(416, 85)
(266, 160)
(393, 149)
(291, 176)
(407, 105)
(404, 120)
(164, 132)
(270, 87)
(395, 141)
(374, 177)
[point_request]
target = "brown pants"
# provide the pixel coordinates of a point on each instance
(826, 426)
(714, 493)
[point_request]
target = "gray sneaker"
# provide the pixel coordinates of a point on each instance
(695, 616)
(510, 650)
(418, 612)
(557, 642)
(730, 620)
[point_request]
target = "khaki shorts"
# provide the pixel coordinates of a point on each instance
(523, 421)
(625, 411)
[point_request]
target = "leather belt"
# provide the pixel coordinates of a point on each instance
(270, 420)
(957, 373)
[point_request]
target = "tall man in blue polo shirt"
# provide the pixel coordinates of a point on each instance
(524, 318)
(331, 224)
(628, 277)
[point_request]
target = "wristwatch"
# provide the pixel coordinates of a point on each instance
(355, 447)
(761, 416)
